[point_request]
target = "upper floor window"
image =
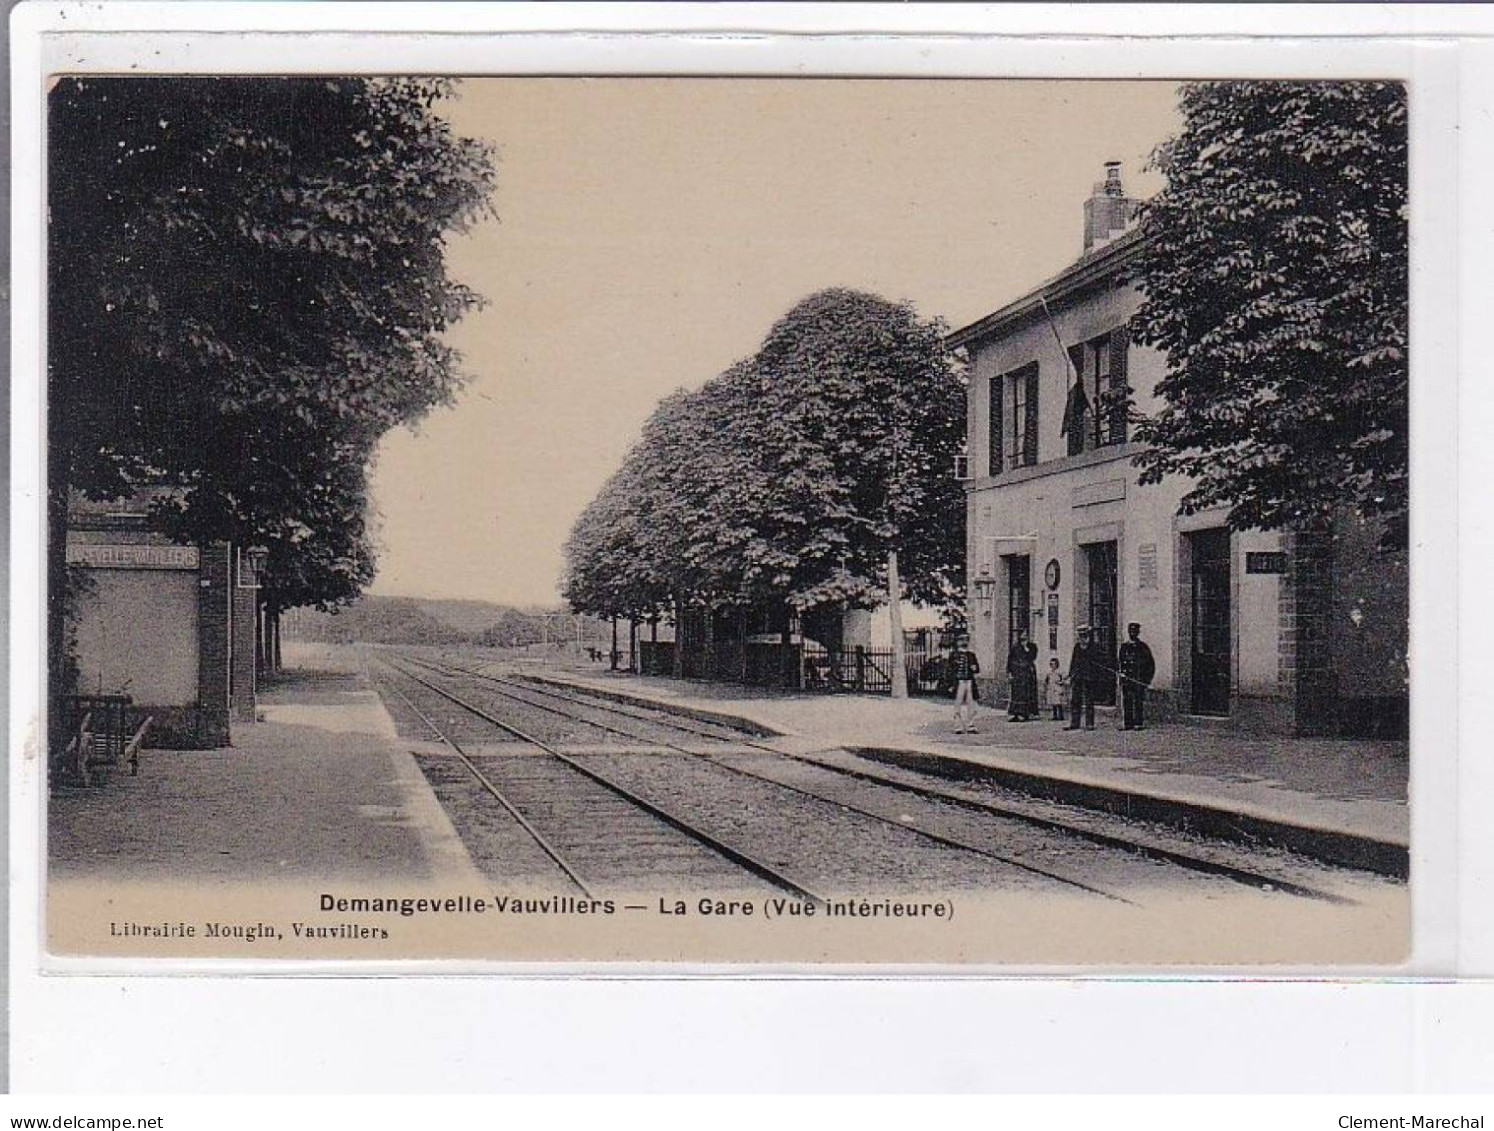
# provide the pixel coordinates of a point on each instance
(1095, 412)
(1014, 419)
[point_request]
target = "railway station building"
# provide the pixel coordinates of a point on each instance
(165, 629)
(1277, 631)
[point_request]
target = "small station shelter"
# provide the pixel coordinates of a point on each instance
(162, 629)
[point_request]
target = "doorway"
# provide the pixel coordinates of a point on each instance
(1209, 551)
(1100, 562)
(1018, 598)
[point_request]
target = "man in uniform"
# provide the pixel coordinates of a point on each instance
(1086, 668)
(963, 668)
(1137, 668)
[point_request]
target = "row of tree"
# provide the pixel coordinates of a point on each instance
(247, 289)
(817, 472)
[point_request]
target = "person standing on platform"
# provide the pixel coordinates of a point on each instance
(1137, 669)
(1055, 690)
(1021, 670)
(963, 668)
(1087, 667)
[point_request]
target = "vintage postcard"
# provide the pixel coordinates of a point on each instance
(728, 520)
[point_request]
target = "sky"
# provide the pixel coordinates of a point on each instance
(649, 233)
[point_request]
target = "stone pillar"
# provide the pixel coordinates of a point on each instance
(213, 592)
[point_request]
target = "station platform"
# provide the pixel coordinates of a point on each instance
(1339, 800)
(318, 790)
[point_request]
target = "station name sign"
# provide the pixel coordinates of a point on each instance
(1266, 561)
(97, 555)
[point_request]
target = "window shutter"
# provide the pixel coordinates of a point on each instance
(1120, 390)
(996, 384)
(1079, 426)
(1030, 425)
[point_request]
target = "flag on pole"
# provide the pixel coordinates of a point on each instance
(1076, 404)
(1074, 410)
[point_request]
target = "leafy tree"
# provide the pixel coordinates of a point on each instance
(674, 525)
(307, 506)
(704, 477)
(859, 412)
(605, 573)
(247, 288)
(807, 474)
(1275, 280)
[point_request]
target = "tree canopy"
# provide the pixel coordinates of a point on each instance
(1275, 280)
(791, 475)
(247, 289)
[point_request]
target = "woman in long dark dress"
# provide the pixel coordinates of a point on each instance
(1021, 670)
(1035, 689)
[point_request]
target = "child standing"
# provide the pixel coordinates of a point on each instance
(1055, 689)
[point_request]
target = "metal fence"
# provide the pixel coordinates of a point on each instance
(852, 669)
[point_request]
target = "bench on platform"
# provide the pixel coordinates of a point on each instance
(105, 735)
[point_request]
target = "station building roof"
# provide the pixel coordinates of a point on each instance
(1099, 267)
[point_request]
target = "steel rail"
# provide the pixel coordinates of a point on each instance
(941, 839)
(1243, 876)
(539, 838)
(450, 670)
(737, 856)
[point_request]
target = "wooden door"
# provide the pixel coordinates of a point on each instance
(1211, 622)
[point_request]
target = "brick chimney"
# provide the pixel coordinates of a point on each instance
(1108, 210)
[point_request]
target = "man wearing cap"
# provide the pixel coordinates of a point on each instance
(1136, 668)
(1086, 669)
(963, 668)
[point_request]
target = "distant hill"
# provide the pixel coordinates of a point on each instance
(426, 620)
(464, 616)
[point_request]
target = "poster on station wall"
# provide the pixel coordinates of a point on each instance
(584, 479)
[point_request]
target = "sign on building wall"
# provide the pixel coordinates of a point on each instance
(1146, 567)
(1109, 491)
(1265, 561)
(97, 555)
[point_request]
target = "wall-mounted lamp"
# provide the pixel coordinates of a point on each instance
(962, 465)
(256, 556)
(985, 590)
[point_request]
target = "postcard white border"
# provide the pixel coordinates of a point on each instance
(1448, 883)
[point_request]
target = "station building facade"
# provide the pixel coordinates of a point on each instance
(1286, 632)
(170, 626)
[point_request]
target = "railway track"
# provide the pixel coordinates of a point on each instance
(498, 795)
(774, 876)
(867, 793)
